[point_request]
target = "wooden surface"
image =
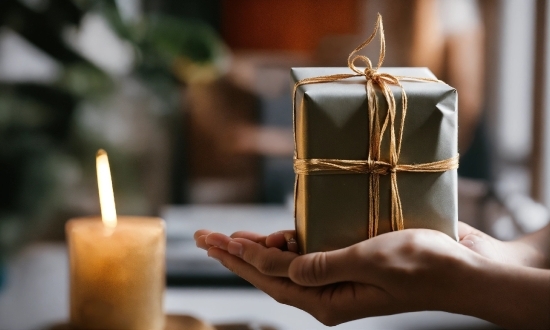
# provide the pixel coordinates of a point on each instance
(187, 322)
(173, 322)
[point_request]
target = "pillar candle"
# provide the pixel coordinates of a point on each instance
(117, 274)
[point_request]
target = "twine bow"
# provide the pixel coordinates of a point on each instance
(373, 165)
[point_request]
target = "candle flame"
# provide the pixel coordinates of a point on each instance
(105, 185)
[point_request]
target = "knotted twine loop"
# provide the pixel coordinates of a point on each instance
(373, 165)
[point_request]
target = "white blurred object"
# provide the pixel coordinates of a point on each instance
(517, 213)
(125, 119)
(457, 16)
(96, 41)
(130, 10)
(513, 192)
(504, 211)
(515, 80)
(513, 179)
(529, 215)
(503, 228)
(36, 4)
(22, 61)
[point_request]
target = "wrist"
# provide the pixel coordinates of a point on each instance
(457, 297)
(508, 295)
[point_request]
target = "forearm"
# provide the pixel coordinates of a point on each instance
(511, 296)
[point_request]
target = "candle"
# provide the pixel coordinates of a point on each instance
(116, 266)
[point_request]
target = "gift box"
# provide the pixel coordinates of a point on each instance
(333, 203)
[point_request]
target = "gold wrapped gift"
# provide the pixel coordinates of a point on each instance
(375, 151)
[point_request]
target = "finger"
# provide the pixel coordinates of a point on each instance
(322, 268)
(201, 232)
(270, 261)
(276, 240)
(329, 304)
(218, 240)
(477, 241)
(201, 242)
(284, 240)
(465, 229)
(258, 238)
(484, 246)
(291, 243)
(281, 289)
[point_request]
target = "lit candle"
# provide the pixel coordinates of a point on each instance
(116, 266)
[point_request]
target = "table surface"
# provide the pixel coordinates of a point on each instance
(36, 293)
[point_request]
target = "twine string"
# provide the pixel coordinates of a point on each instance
(373, 165)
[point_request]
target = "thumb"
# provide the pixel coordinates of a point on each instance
(321, 268)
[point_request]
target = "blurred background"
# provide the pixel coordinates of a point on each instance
(191, 99)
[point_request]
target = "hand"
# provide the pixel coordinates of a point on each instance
(409, 270)
(522, 252)
(518, 252)
(399, 272)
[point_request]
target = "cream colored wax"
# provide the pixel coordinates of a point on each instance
(117, 274)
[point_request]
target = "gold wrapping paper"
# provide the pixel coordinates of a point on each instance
(332, 122)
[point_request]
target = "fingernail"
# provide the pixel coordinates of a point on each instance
(291, 245)
(235, 248)
(467, 243)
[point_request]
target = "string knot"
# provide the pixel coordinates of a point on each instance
(371, 74)
(379, 167)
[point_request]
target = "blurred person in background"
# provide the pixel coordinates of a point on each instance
(447, 36)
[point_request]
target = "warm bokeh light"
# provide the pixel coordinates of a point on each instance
(106, 196)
